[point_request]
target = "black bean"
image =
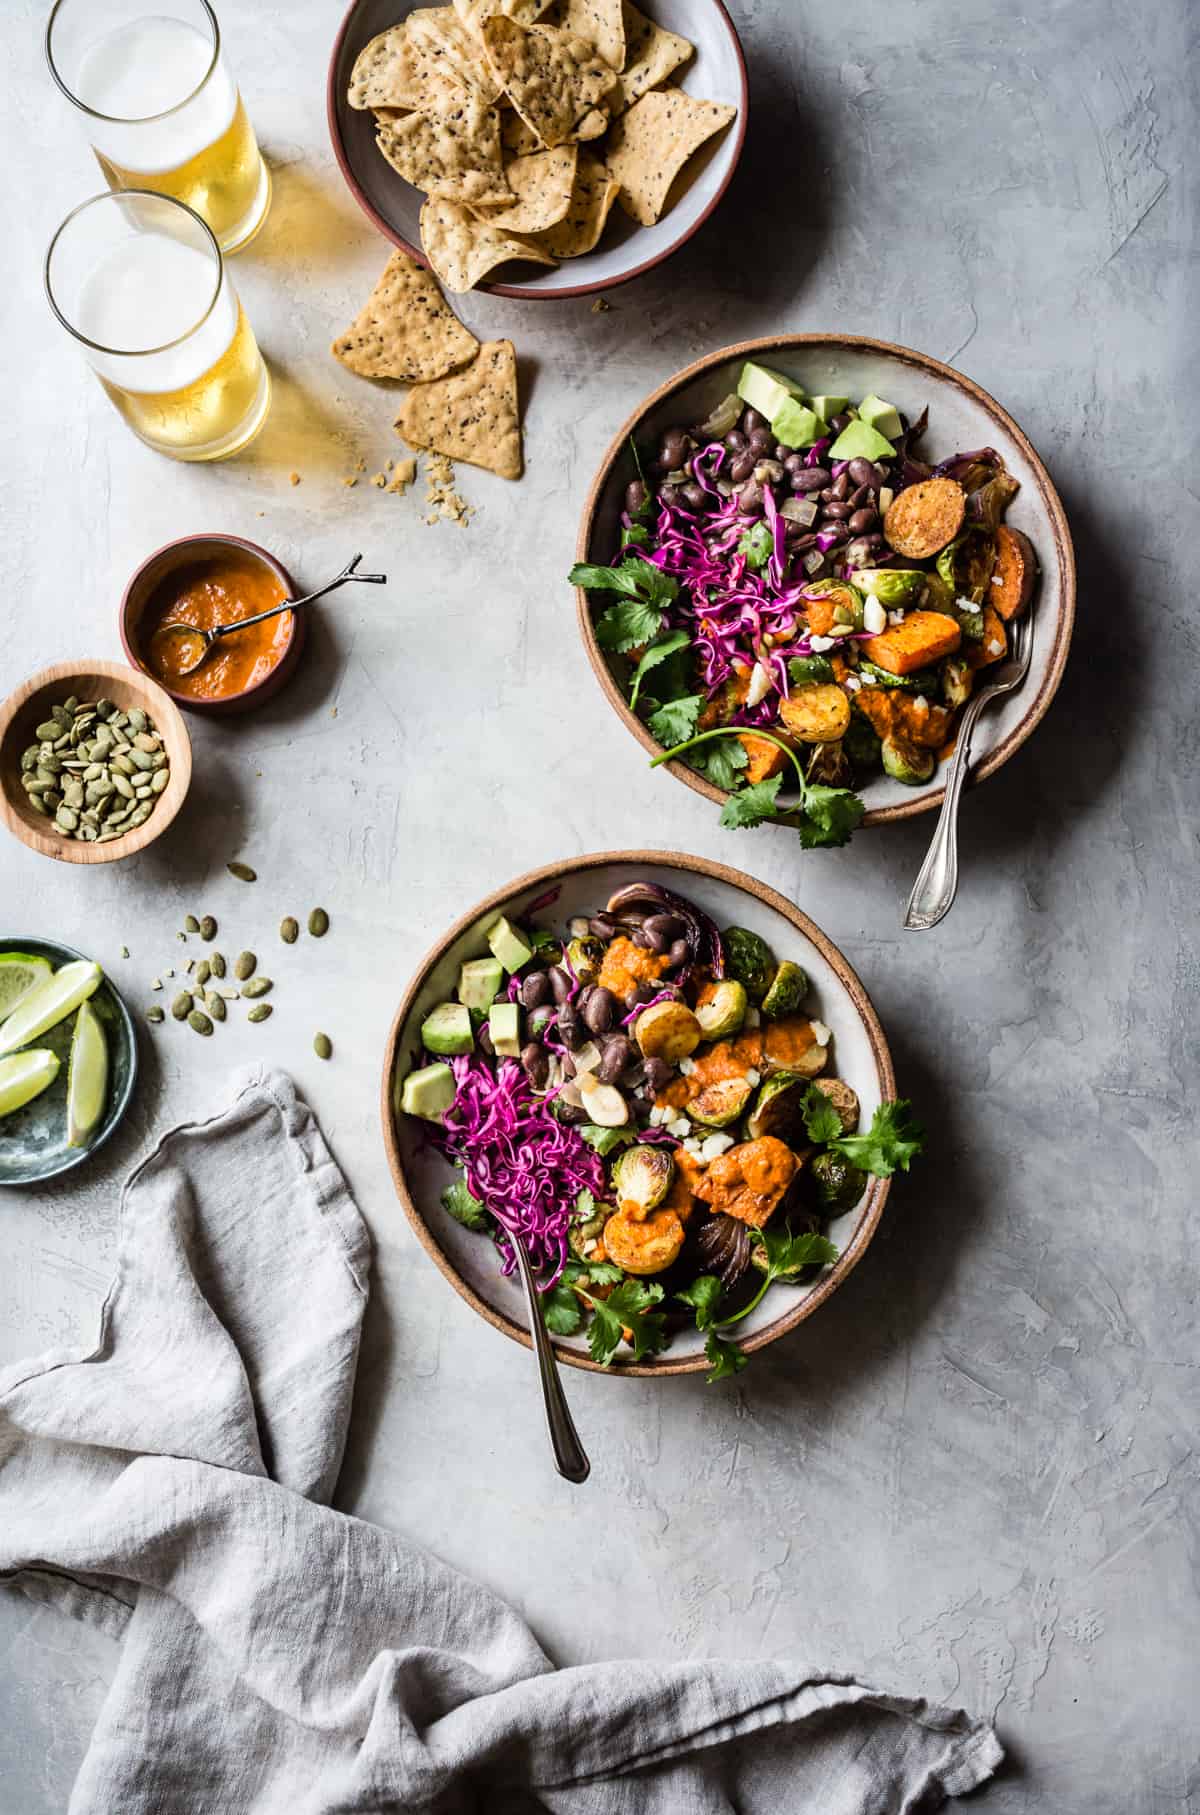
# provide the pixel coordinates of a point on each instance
(836, 510)
(636, 494)
(861, 471)
(663, 928)
(540, 1019)
(536, 1063)
(827, 495)
(618, 1054)
(735, 441)
(571, 1028)
(560, 983)
(674, 449)
(783, 454)
(658, 1075)
(750, 499)
(841, 486)
(752, 420)
(859, 553)
(861, 521)
(695, 495)
(669, 495)
(583, 998)
(646, 992)
(567, 1063)
(602, 926)
(484, 1041)
(807, 481)
(535, 989)
(600, 1010)
(863, 496)
(679, 953)
(801, 540)
(834, 534)
(741, 466)
(762, 441)
(838, 423)
(570, 1113)
(642, 939)
(794, 463)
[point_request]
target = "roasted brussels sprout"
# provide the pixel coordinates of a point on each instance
(958, 678)
(667, 1030)
(923, 680)
(719, 1104)
(861, 743)
(581, 1235)
(779, 1107)
(722, 1014)
(844, 1100)
(817, 714)
(839, 1185)
(644, 1247)
(845, 600)
(805, 669)
(907, 762)
(585, 956)
(751, 960)
(966, 565)
(892, 586)
(937, 596)
(641, 1177)
(789, 986)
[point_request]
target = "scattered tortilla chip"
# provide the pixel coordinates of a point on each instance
(405, 329)
(551, 77)
(394, 70)
(581, 227)
(462, 249)
(471, 415)
(651, 143)
(448, 47)
(516, 136)
(456, 155)
(650, 55)
(600, 22)
(544, 183)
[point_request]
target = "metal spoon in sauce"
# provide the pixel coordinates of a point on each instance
(203, 641)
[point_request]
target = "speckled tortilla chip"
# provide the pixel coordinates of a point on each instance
(516, 137)
(395, 71)
(472, 415)
(543, 183)
(650, 55)
(650, 145)
(551, 77)
(462, 249)
(405, 329)
(474, 12)
(456, 155)
(594, 124)
(600, 22)
(581, 227)
(449, 48)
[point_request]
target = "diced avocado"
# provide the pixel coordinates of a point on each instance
(789, 986)
(795, 425)
(882, 416)
(428, 1092)
(448, 1029)
(766, 391)
(858, 440)
(510, 946)
(504, 1025)
(480, 981)
(828, 407)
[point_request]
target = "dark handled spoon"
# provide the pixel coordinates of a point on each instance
(569, 1456)
(204, 641)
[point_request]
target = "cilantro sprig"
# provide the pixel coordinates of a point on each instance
(629, 1306)
(644, 592)
(889, 1145)
(823, 817)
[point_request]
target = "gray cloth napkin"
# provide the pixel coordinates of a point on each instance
(170, 1485)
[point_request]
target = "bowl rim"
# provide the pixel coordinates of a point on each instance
(165, 712)
(31, 941)
(877, 1190)
(247, 694)
(924, 802)
(528, 292)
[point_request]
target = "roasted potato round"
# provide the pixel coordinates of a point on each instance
(817, 714)
(644, 1247)
(668, 1030)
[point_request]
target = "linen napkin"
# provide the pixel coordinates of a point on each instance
(279, 1656)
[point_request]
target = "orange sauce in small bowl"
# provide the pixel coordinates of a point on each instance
(220, 589)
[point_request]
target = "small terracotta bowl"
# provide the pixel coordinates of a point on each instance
(28, 706)
(185, 553)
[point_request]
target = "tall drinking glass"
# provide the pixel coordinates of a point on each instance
(162, 110)
(139, 281)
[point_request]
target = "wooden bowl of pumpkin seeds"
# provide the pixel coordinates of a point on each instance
(95, 761)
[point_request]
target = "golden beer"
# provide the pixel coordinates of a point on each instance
(221, 410)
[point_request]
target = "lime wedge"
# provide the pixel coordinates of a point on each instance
(18, 974)
(87, 1077)
(48, 1003)
(24, 1076)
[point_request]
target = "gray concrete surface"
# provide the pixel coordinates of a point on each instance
(974, 1475)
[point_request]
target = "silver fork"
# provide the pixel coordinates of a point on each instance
(936, 886)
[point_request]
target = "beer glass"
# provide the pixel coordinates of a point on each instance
(162, 110)
(138, 280)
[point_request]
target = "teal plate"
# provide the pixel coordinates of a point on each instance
(33, 1140)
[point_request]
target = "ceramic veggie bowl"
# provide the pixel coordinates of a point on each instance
(823, 480)
(550, 898)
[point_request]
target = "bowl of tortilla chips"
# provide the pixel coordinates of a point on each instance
(538, 148)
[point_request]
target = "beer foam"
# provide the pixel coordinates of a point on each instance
(146, 68)
(149, 290)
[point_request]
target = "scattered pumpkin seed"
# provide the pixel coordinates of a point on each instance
(217, 960)
(191, 924)
(202, 973)
(124, 951)
(289, 930)
(261, 1012)
(154, 1014)
(323, 1046)
(243, 965)
(318, 923)
(208, 928)
(183, 1005)
(199, 1022)
(214, 1004)
(257, 986)
(242, 871)
(157, 984)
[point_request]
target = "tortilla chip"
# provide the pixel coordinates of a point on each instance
(405, 329)
(594, 124)
(473, 13)
(394, 70)
(600, 22)
(472, 415)
(447, 46)
(462, 249)
(456, 155)
(516, 137)
(650, 55)
(651, 143)
(551, 77)
(544, 183)
(582, 225)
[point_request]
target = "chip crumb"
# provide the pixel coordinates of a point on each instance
(403, 474)
(293, 478)
(350, 479)
(360, 465)
(379, 480)
(601, 306)
(446, 502)
(333, 712)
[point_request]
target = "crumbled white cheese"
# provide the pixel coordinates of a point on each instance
(966, 604)
(820, 1033)
(921, 704)
(715, 1146)
(761, 683)
(680, 1127)
(692, 1146)
(579, 927)
(886, 496)
(820, 644)
(874, 616)
(997, 579)
(590, 1247)
(687, 1067)
(852, 683)
(895, 617)
(753, 1076)
(995, 648)
(753, 1017)
(658, 1116)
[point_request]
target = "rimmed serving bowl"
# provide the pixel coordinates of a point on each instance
(27, 707)
(961, 415)
(581, 885)
(188, 551)
(33, 1139)
(717, 72)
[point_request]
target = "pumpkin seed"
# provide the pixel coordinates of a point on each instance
(137, 718)
(257, 986)
(208, 927)
(199, 1022)
(243, 965)
(183, 1005)
(318, 923)
(242, 871)
(154, 1014)
(289, 930)
(203, 972)
(159, 780)
(214, 1004)
(323, 1046)
(227, 992)
(261, 1012)
(123, 785)
(190, 923)
(47, 731)
(66, 818)
(217, 960)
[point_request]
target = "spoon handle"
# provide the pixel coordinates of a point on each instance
(569, 1457)
(347, 573)
(937, 883)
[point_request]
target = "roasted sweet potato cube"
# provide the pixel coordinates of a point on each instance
(922, 639)
(764, 759)
(994, 644)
